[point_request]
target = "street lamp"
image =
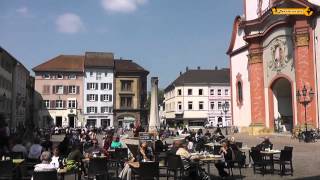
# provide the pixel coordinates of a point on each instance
(304, 98)
(225, 108)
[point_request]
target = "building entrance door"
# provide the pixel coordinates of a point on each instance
(59, 121)
(282, 105)
(71, 121)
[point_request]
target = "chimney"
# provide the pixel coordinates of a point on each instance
(216, 68)
(180, 73)
(187, 69)
(198, 68)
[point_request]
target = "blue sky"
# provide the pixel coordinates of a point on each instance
(163, 36)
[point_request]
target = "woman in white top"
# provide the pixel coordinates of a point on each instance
(45, 163)
(55, 158)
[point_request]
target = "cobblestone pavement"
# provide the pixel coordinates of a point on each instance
(306, 158)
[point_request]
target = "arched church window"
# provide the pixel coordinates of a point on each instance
(239, 92)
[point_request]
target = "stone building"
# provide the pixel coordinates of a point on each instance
(130, 93)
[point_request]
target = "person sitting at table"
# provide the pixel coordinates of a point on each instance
(107, 140)
(228, 155)
(145, 152)
(116, 143)
(95, 149)
(18, 147)
(35, 150)
(45, 163)
(265, 144)
(186, 158)
(56, 159)
(189, 142)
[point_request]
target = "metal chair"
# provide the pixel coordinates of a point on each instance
(285, 159)
(45, 175)
(258, 161)
(147, 170)
(175, 165)
(6, 169)
(97, 166)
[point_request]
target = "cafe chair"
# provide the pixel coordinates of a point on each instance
(259, 161)
(45, 175)
(239, 162)
(97, 166)
(285, 159)
(147, 170)
(175, 165)
(6, 169)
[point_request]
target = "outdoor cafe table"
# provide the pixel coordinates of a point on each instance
(208, 159)
(270, 153)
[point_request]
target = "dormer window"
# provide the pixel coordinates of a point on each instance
(46, 76)
(59, 76)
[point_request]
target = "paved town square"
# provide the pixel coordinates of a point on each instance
(305, 159)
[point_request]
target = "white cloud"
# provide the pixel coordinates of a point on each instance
(23, 11)
(123, 6)
(69, 23)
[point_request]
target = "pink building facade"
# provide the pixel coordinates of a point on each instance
(59, 93)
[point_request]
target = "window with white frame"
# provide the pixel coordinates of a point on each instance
(92, 86)
(106, 97)
(189, 91)
(219, 92)
(201, 105)
(179, 92)
(72, 76)
(46, 104)
(179, 106)
(59, 104)
(106, 109)
(59, 76)
(91, 109)
(98, 74)
(59, 89)
(46, 76)
(219, 105)
(200, 92)
(72, 104)
(190, 105)
(226, 92)
(72, 90)
(91, 97)
(104, 86)
(211, 92)
(212, 105)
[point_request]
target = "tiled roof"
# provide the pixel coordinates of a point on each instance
(64, 63)
(194, 77)
(99, 59)
(128, 66)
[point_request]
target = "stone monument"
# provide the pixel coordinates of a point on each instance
(154, 120)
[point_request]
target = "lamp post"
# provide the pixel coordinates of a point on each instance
(304, 98)
(225, 108)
